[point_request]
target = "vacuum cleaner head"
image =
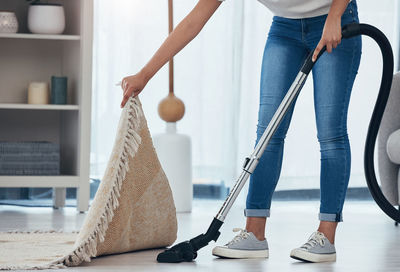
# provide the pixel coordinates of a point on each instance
(182, 252)
(187, 251)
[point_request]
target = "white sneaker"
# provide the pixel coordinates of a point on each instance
(317, 249)
(245, 245)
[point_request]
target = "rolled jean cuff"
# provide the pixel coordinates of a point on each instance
(256, 212)
(333, 217)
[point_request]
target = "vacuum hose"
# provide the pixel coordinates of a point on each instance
(379, 109)
(349, 31)
(187, 250)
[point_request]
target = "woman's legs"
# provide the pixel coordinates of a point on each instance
(283, 55)
(333, 76)
(333, 80)
(288, 43)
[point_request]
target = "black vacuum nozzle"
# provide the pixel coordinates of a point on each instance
(187, 251)
(182, 252)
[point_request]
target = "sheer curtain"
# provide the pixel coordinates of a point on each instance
(217, 77)
(207, 79)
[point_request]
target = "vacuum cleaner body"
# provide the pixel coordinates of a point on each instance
(187, 251)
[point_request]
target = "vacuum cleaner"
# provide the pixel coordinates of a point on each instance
(187, 251)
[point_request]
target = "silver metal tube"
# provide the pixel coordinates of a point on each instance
(232, 196)
(279, 114)
(251, 162)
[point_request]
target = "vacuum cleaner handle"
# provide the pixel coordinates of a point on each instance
(348, 31)
(308, 64)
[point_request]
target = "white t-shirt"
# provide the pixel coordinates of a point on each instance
(297, 9)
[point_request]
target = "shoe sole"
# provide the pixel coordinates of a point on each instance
(239, 254)
(303, 255)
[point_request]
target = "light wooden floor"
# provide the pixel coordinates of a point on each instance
(367, 240)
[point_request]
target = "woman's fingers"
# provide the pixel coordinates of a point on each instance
(329, 47)
(318, 49)
(130, 92)
(132, 86)
(123, 83)
(126, 93)
(125, 99)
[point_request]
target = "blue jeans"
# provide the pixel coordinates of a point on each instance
(289, 42)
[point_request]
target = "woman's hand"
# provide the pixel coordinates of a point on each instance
(132, 85)
(331, 35)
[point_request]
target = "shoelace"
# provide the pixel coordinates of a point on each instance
(242, 235)
(315, 238)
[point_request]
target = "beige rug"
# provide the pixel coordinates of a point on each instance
(133, 208)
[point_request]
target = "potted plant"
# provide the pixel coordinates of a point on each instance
(45, 17)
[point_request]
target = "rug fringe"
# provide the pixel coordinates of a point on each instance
(51, 266)
(88, 248)
(131, 142)
(17, 231)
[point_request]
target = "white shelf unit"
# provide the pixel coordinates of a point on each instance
(24, 106)
(27, 57)
(40, 36)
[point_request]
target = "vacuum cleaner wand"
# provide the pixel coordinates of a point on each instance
(187, 251)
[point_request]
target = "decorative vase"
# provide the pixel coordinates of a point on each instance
(59, 90)
(174, 150)
(8, 22)
(45, 18)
